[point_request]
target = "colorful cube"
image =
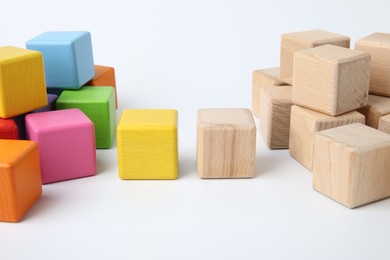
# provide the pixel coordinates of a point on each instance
(66, 144)
(22, 81)
(20, 178)
(226, 143)
(8, 129)
(51, 100)
(99, 105)
(68, 58)
(147, 144)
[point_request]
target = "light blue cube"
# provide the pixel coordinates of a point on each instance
(68, 58)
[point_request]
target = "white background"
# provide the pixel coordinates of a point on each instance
(189, 55)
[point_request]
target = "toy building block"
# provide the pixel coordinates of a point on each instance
(331, 79)
(66, 144)
(20, 178)
(305, 123)
(377, 107)
(8, 129)
(275, 115)
(293, 42)
(226, 143)
(99, 105)
(262, 78)
(378, 46)
(51, 100)
(351, 164)
(384, 124)
(147, 145)
(22, 81)
(104, 76)
(68, 58)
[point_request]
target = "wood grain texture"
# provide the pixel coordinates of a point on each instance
(376, 108)
(275, 116)
(22, 81)
(226, 143)
(378, 46)
(384, 124)
(147, 144)
(331, 79)
(293, 42)
(351, 164)
(20, 178)
(262, 78)
(305, 123)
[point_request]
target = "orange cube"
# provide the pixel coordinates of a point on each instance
(20, 178)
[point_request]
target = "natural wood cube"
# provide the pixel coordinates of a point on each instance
(331, 79)
(226, 146)
(376, 108)
(20, 178)
(378, 46)
(262, 78)
(305, 123)
(293, 42)
(275, 115)
(384, 124)
(351, 164)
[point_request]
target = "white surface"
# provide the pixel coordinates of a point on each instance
(189, 55)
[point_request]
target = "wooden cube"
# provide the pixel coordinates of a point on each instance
(376, 108)
(331, 79)
(66, 143)
(351, 164)
(22, 81)
(20, 178)
(147, 144)
(293, 42)
(8, 129)
(275, 115)
(99, 105)
(305, 123)
(226, 145)
(384, 124)
(104, 76)
(262, 78)
(68, 58)
(51, 104)
(378, 46)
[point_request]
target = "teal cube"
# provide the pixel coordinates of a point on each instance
(99, 105)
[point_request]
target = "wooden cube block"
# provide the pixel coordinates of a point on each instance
(104, 76)
(20, 178)
(378, 46)
(384, 124)
(226, 146)
(293, 42)
(147, 144)
(262, 78)
(22, 81)
(66, 143)
(351, 164)
(305, 123)
(376, 108)
(68, 58)
(330, 79)
(275, 115)
(8, 129)
(99, 105)
(51, 104)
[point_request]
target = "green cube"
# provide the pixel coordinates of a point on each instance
(99, 105)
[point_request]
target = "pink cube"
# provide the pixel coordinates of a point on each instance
(66, 144)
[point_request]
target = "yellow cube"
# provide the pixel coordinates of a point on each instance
(147, 145)
(22, 81)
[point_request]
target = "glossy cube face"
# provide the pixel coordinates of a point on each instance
(8, 129)
(99, 105)
(22, 81)
(66, 144)
(147, 144)
(20, 178)
(68, 58)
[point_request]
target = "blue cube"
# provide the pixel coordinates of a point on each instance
(68, 58)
